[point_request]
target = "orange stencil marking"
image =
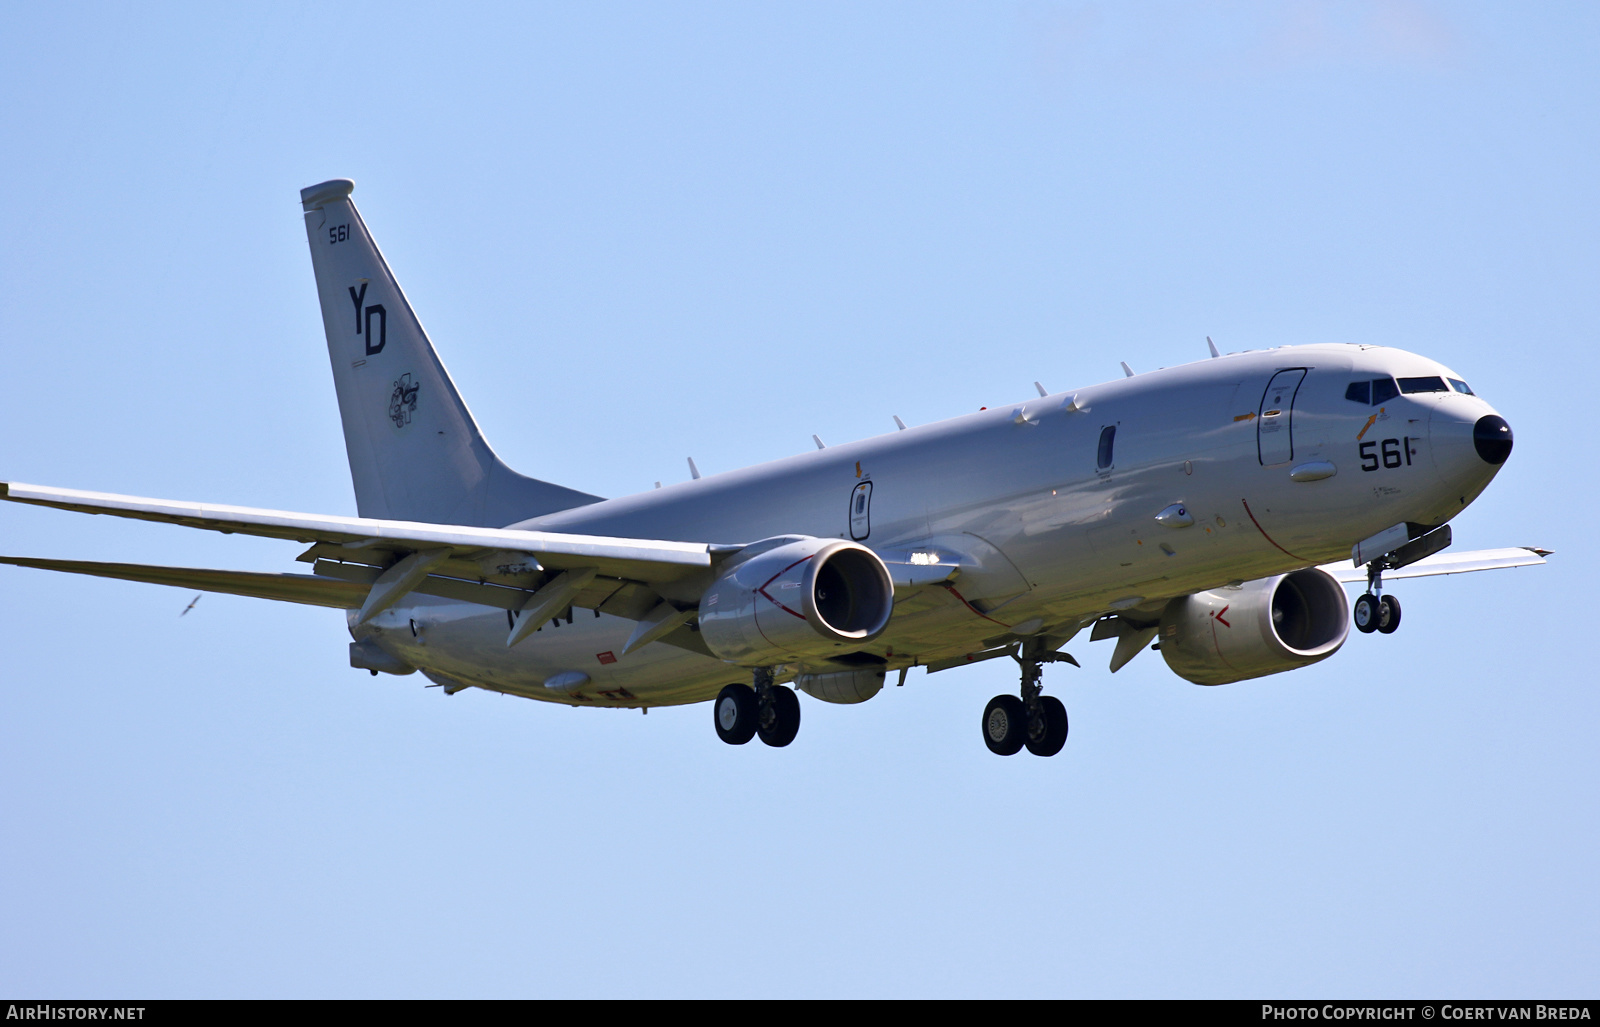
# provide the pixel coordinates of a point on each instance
(1370, 421)
(1246, 417)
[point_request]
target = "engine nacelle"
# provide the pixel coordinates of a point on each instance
(803, 599)
(1262, 627)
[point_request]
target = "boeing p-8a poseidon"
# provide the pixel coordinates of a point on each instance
(1192, 505)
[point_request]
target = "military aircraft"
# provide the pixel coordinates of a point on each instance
(1212, 511)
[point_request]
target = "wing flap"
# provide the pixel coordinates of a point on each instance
(289, 588)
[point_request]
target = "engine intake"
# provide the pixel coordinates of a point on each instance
(805, 598)
(1262, 627)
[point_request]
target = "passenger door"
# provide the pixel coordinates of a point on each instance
(1275, 423)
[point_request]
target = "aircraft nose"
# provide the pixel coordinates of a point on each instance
(1491, 436)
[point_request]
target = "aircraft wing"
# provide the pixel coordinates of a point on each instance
(632, 559)
(369, 564)
(1447, 563)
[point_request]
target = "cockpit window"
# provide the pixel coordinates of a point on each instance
(1376, 390)
(1429, 383)
(1462, 387)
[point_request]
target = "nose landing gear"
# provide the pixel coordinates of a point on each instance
(1036, 721)
(1375, 611)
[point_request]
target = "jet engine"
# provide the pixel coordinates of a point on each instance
(805, 598)
(1258, 628)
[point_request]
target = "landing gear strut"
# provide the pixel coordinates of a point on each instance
(1375, 611)
(763, 709)
(1036, 721)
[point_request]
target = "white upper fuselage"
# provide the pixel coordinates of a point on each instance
(1047, 539)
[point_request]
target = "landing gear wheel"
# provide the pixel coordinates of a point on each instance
(735, 713)
(1366, 613)
(1047, 727)
(1388, 615)
(1005, 725)
(779, 720)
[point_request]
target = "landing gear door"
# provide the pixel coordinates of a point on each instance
(861, 511)
(1275, 425)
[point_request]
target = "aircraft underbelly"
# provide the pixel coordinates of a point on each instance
(467, 643)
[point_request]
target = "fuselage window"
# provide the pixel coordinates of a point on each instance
(1359, 392)
(1383, 390)
(1430, 383)
(1108, 437)
(1461, 387)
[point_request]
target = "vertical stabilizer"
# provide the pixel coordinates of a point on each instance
(415, 452)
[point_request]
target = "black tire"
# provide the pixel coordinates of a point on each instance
(1388, 615)
(734, 714)
(780, 722)
(1005, 725)
(1366, 613)
(1047, 730)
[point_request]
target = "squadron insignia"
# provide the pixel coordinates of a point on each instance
(403, 401)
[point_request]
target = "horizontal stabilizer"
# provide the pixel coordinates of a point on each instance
(1448, 563)
(288, 588)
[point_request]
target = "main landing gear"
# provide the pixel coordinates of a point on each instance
(743, 712)
(1374, 611)
(1036, 721)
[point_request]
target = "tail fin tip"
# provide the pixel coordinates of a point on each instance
(312, 197)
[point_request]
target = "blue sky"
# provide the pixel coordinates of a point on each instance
(642, 232)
